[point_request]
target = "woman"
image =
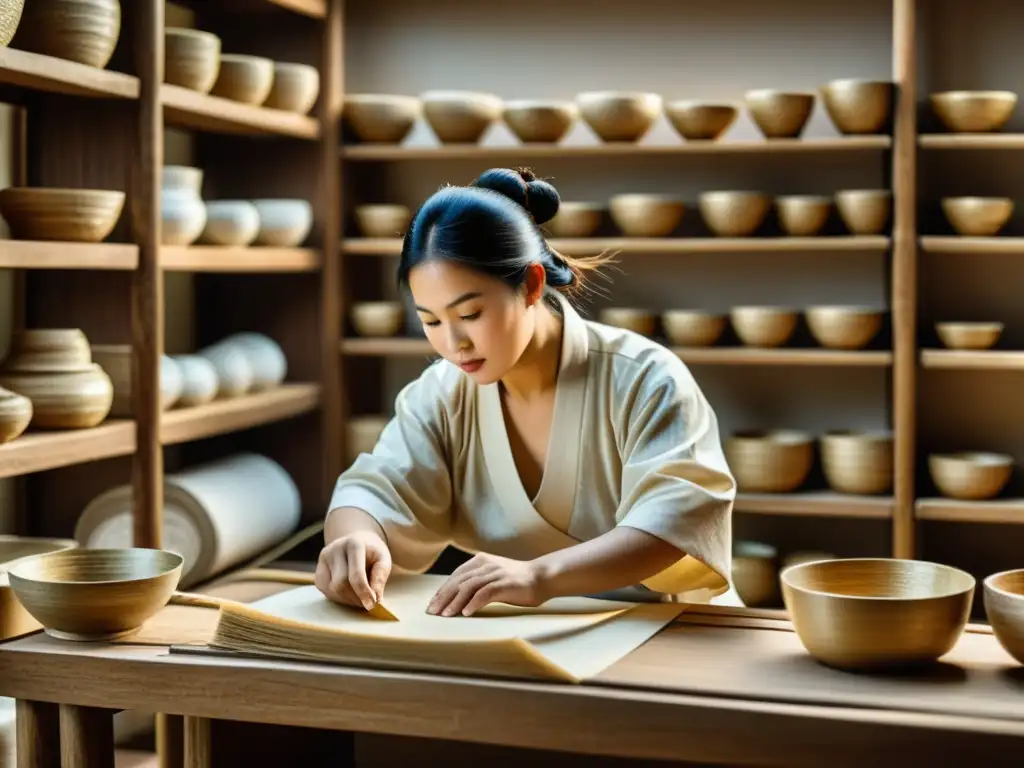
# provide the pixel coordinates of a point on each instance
(572, 457)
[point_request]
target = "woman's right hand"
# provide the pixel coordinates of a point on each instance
(353, 569)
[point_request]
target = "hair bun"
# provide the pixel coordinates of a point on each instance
(521, 185)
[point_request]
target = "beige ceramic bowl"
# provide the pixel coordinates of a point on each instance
(51, 213)
(377, 318)
(284, 223)
(383, 219)
(977, 216)
(634, 319)
(876, 614)
(244, 78)
(770, 461)
(700, 120)
(540, 121)
(858, 462)
(295, 87)
(95, 594)
(15, 415)
(843, 327)
(864, 211)
(646, 215)
(969, 335)
(460, 117)
(970, 475)
(379, 118)
(974, 111)
(779, 114)
(230, 223)
(191, 58)
(1004, 608)
(802, 215)
(755, 573)
(620, 116)
(763, 326)
(730, 213)
(576, 219)
(10, 16)
(858, 106)
(692, 328)
(76, 400)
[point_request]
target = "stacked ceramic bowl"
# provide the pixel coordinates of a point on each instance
(53, 368)
(236, 365)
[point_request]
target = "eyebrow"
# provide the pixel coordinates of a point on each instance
(459, 300)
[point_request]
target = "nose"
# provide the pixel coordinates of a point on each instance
(457, 341)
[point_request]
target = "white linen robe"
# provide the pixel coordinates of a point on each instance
(633, 443)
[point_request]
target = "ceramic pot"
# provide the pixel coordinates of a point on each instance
(85, 31)
(182, 210)
(76, 400)
(10, 16)
(15, 415)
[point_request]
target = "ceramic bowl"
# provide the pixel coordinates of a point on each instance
(779, 114)
(646, 215)
(295, 87)
(802, 215)
(182, 178)
(619, 116)
(770, 461)
(969, 335)
(377, 318)
(383, 219)
(191, 58)
(64, 400)
(266, 358)
(576, 219)
(763, 326)
(284, 223)
(875, 614)
(83, 31)
(540, 121)
(977, 216)
(755, 573)
(95, 594)
(634, 319)
(377, 118)
(970, 475)
(692, 328)
(974, 111)
(699, 120)
(235, 376)
(460, 117)
(244, 78)
(362, 434)
(843, 327)
(858, 462)
(864, 211)
(730, 213)
(69, 215)
(1003, 595)
(15, 415)
(199, 380)
(858, 106)
(230, 223)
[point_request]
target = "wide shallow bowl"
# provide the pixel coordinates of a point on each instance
(70, 215)
(540, 122)
(843, 327)
(969, 335)
(974, 111)
(646, 215)
(858, 106)
(635, 319)
(877, 613)
(970, 475)
(1004, 608)
(460, 117)
(377, 318)
(383, 219)
(700, 120)
(381, 118)
(977, 216)
(619, 115)
(95, 594)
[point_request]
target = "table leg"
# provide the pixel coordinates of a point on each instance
(37, 734)
(198, 743)
(169, 730)
(87, 737)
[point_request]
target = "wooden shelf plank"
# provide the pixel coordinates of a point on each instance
(476, 151)
(954, 510)
(315, 9)
(815, 504)
(35, 72)
(191, 109)
(238, 413)
(971, 140)
(37, 451)
(413, 347)
(229, 259)
(587, 245)
(34, 254)
(979, 245)
(991, 360)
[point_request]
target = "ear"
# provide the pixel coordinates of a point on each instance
(536, 279)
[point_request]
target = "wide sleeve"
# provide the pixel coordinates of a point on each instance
(405, 484)
(676, 483)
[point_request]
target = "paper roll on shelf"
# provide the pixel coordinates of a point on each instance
(216, 515)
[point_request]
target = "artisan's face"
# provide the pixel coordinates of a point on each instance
(471, 319)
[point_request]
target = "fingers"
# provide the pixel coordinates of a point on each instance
(355, 555)
(467, 591)
(379, 572)
(450, 588)
(337, 567)
(492, 592)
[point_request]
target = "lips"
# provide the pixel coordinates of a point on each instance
(470, 366)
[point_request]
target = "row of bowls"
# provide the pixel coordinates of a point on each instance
(187, 218)
(728, 213)
(781, 460)
(461, 116)
(193, 59)
(834, 327)
(867, 614)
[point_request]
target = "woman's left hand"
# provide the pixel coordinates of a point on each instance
(488, 579)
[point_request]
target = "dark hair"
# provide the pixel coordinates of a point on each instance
(493, 225)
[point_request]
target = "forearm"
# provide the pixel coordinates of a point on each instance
(620, 558)
(343, 521)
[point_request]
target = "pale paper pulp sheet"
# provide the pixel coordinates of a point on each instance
(570, 638)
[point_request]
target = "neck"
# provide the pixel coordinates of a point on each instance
(536, 372)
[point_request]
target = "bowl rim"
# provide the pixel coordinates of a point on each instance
(21, 562)
(970, 325)
(785, 572)
(973, 94)
(987, 458)
(989, 583)
(673, 104)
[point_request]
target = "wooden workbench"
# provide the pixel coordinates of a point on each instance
(711, 689)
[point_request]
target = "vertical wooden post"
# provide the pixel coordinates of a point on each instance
(147, 282)
(904, 274)
(333, 401)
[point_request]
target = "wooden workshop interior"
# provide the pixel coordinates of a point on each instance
(203, 310)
